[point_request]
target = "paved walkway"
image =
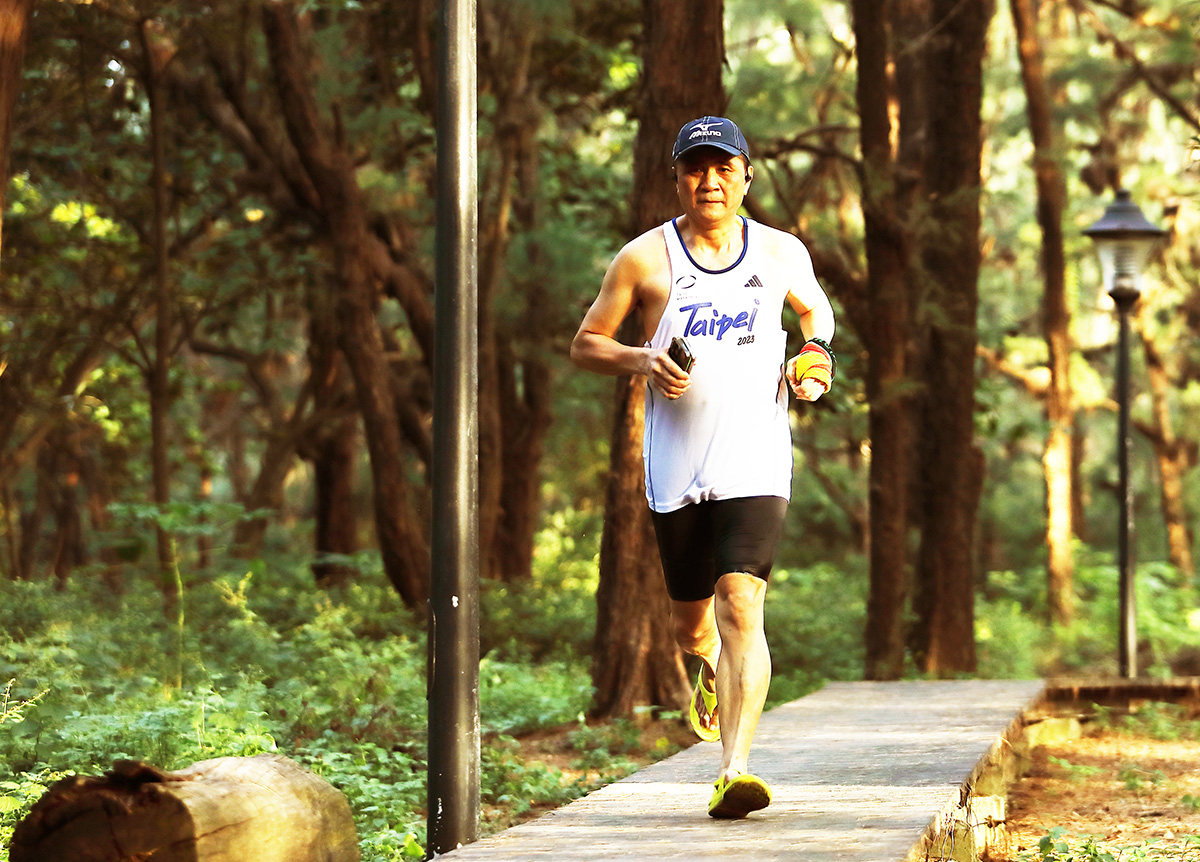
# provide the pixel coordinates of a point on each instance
(862, 772)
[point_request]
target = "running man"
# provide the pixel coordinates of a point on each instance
(717, 441)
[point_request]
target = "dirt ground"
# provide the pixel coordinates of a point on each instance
(1135, 796)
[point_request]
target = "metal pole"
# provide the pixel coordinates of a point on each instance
(1128, 609)
(454, 756)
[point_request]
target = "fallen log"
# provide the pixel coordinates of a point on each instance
(233, 809)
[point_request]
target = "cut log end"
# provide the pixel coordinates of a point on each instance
(236, 809)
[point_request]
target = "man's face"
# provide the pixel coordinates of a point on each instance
(711, 183)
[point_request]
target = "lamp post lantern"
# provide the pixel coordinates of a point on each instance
(1124, 239)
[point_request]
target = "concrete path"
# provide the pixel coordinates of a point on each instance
(869, 772)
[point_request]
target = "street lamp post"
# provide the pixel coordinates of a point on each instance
(1124, 239)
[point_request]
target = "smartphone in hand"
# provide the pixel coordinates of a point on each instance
(681, 354)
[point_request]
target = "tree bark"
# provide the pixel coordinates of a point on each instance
(232, 809)
(156, 57)
(527, 419)
(329, 166)
(636, 658)
(526, 380)
(952, 465)
(515, 384)
(15, 16)
(635, 661)
(335, 531)
(886, 340)
(1056, 318)
(331, 448)
(1173, 457)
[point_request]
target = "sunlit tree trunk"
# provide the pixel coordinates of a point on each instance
(636, 659)
(887, 339)
(515, 384)
(1174, 460)
(952, 465)
(1056, 317)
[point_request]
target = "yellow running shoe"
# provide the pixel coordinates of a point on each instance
(711, 732)
(738, 797)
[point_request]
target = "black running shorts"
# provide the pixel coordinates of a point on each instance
(702, 541)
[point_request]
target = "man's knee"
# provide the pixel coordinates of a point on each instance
(739, 603)
(691, 638)
(693, 626)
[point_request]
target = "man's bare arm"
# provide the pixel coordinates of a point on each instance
(627, 287)
(816, 318)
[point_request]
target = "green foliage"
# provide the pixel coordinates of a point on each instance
(516, 697)
(814, 621)
(1014, 641)
(1165, 721)
(1055, 847)
(334, 681)
(597, 746)
(553, 614)
(1077, 771)
(1058, 845)
(17, 794)
(1135, 778)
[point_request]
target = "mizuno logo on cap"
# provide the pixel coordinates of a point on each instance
(700, 130)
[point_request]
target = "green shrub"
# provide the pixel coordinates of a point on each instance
(334, 680)
(1014, 639)
(814, 621)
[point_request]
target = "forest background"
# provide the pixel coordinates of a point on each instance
(215, 379)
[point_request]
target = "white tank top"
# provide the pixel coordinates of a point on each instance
(728, 435)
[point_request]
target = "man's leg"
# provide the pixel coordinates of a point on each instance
(744, 669)
(695, 628)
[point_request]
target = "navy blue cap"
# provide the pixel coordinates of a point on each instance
(716, 132)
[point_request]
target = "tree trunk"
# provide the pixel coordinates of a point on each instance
(70, 551)
(331, 448)
(330, 167)
(156, 58)
(507, 46)
(1056, 318)
(887, 339)
(34, 516)
(336, 530)
(636, 658)
(267, 491)
(635, 661)
(15, 16)
(13, 571)
(952, 465)
(527, 384)
(527, 419)
(1172, 456)
(231, 809)
(515, 385)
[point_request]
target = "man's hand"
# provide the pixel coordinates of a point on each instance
(807, 389)
(665, 376)
(810, 372)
